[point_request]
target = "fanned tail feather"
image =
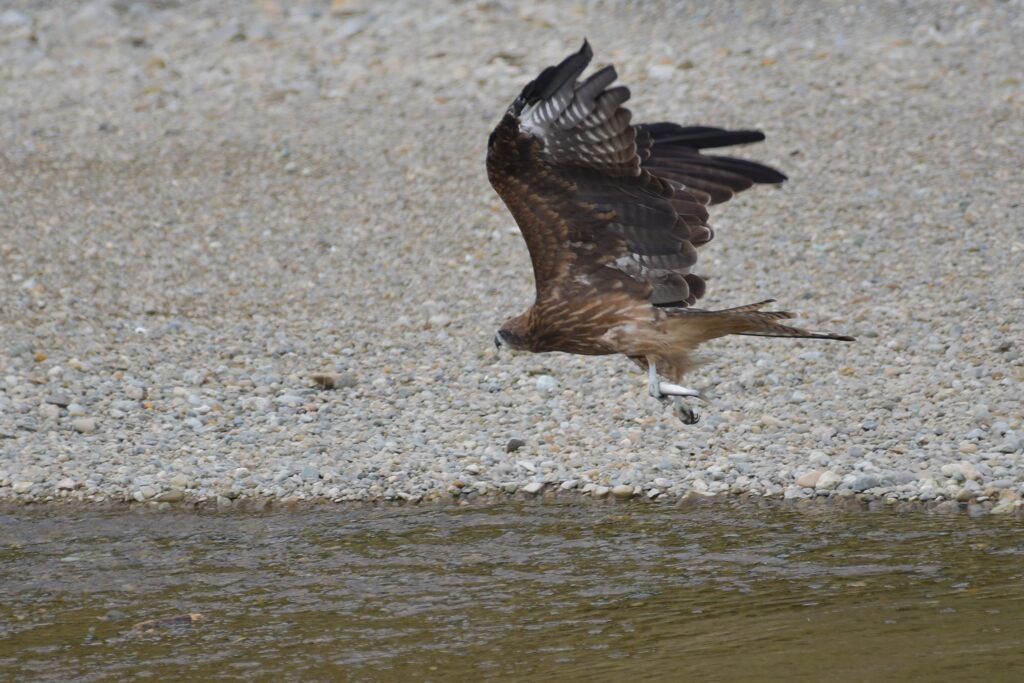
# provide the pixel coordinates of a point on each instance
(746, 320)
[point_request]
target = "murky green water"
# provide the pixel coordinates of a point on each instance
(549, 591)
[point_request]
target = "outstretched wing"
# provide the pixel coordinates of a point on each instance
(602, 202)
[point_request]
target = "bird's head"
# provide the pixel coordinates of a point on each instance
(515, 334)
(510, 339)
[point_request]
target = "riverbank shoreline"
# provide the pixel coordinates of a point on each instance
(1006, 506)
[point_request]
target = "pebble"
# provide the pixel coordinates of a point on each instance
(514, 445)
(828, 481)
(622, 491)
(864, 482)
(546, 383)
(84, 425)
(810, 479)
(171, 496)
(533, 487)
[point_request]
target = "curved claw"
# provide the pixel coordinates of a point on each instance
(686, 414)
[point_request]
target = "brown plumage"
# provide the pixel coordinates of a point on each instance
(613, 214)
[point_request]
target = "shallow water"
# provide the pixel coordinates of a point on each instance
(554, 591)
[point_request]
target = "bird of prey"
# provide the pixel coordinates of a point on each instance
(612, 213)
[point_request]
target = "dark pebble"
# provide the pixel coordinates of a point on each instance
(514, 445)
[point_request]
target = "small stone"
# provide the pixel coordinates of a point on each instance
(964, 495)
(533, 487)
(61, 400)
(793, 492)
(439, 320)
(1011, 445)
(827, 481)
(13, 18)
(75, 410)
(623, 491)
(527, 465)
(21, 349)
(84, 425)
(172, 496)
(810, 479)
(818, 458)
(600, 491)
(333, 380)
(179, 480)
(66, 484)
(661, 71)
(514, 445)
(135, 393)
(22, 486)
(970, 471)
(1003, 507)
(863, 482)
(568, 484)
(953, 471)
(546, 383)
(48, 411)
(39, 357)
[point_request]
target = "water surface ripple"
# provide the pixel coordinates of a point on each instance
(556, 591)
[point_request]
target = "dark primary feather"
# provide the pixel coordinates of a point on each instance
(603, 203)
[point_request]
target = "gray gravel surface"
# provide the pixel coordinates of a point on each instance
(202, 204)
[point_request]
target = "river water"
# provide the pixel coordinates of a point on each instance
(517, 591)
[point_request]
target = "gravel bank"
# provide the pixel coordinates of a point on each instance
(202, 204)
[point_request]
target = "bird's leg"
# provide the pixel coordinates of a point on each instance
(664, 390)
(653, 387)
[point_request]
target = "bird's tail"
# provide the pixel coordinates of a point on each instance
(746, 320)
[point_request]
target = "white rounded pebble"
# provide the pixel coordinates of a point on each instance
(622, 491)
(809, 479)
(546, 383)
(828, 480)
(84, 425)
